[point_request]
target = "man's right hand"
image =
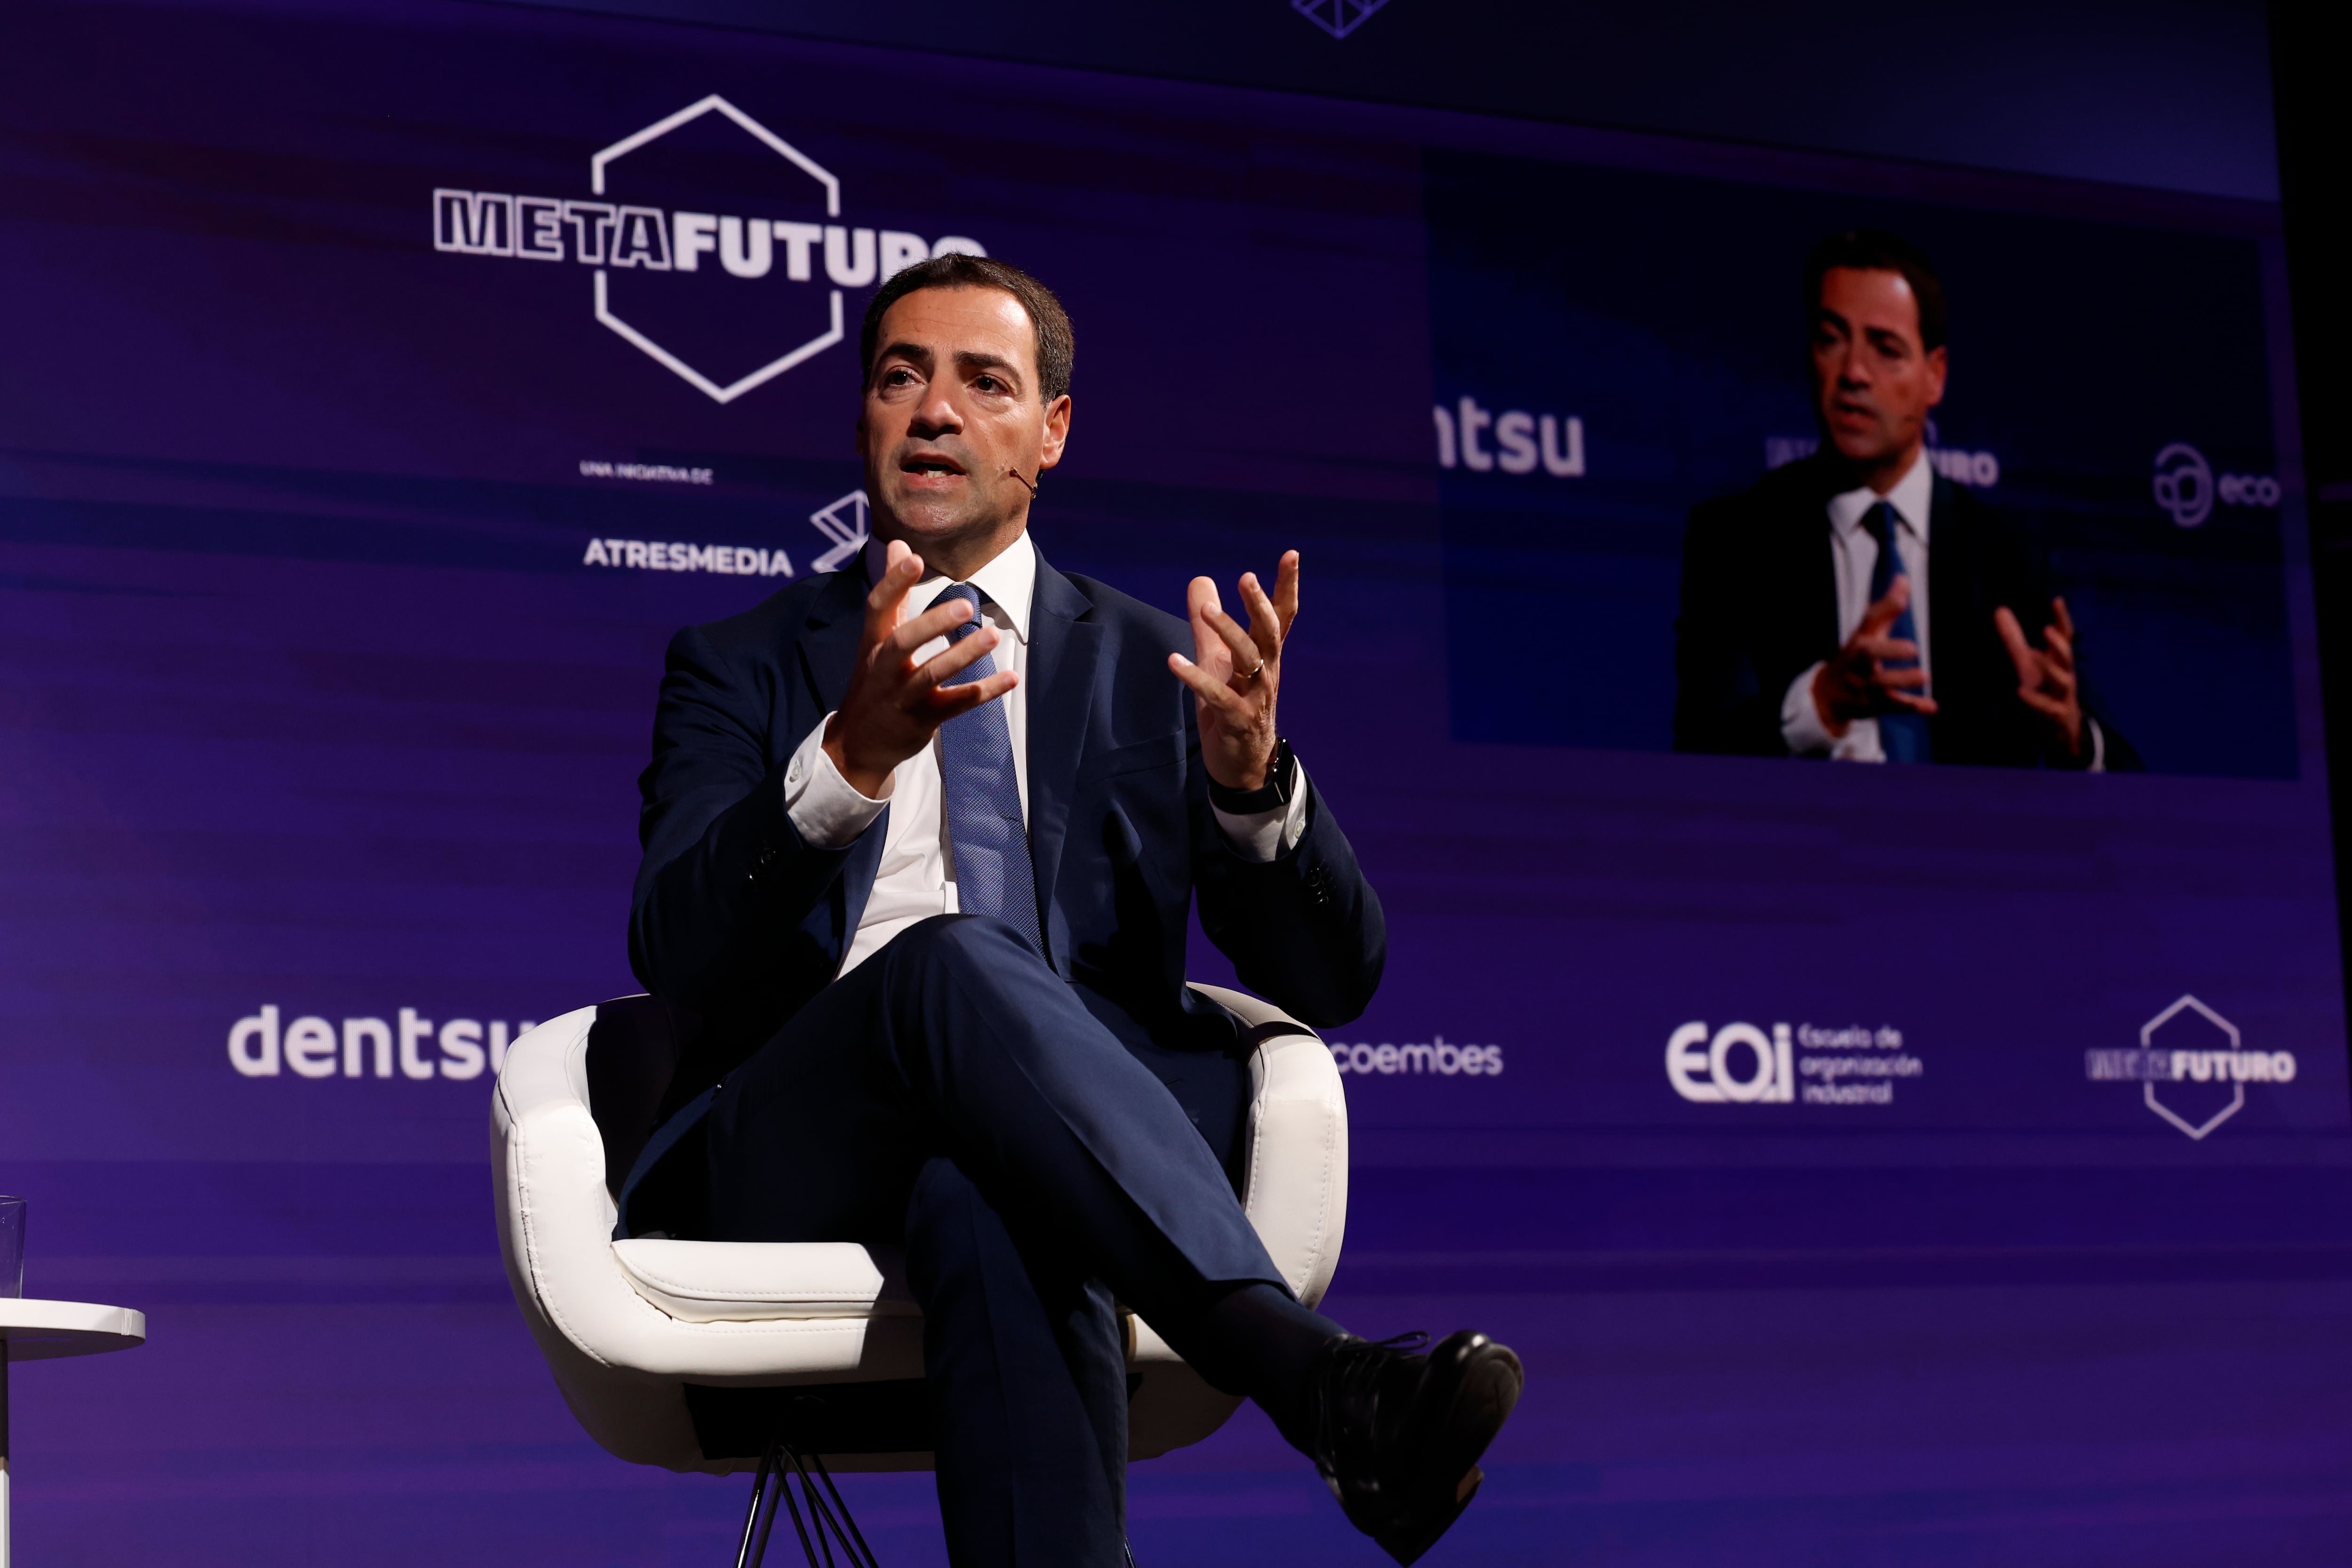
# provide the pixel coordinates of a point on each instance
(895, 706)
(1855, 683)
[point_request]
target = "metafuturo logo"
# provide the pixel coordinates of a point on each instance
(1978, 470)
(2185, 1047)
(628, 243)
(1742, 1064)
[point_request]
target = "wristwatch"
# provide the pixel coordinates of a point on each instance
(1281, 779)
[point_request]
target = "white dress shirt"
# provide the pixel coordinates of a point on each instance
(1854, 554)
(916, 877)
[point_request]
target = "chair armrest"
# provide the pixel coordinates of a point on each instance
(1295, 1189)
(1294, 1192)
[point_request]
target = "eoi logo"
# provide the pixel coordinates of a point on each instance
(1739, 1064)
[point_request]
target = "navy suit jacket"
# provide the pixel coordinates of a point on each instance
(1760, 606)
(739, 918)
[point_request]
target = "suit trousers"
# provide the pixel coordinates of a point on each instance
(954, 1093)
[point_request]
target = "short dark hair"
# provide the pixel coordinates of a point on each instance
(1055, 347)
(1875, 250)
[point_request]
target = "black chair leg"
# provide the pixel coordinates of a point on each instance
(753, 1547)
(830, 1521)
(806, 1550)
(837, 1517)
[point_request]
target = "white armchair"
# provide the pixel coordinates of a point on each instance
(638, 1332)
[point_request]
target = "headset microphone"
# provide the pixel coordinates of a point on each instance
(1033, 488)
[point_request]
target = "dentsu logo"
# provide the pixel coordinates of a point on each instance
(629, 243)
(261, 1043)
(1522, 440)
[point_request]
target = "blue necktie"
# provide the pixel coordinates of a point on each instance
(1902, 734)
(991, 842)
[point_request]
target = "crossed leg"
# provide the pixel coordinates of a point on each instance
(1026, 1363)
(954, 1093)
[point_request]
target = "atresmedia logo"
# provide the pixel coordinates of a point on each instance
(775, 241)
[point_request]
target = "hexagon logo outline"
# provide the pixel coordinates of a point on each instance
(2148, 1089)
(714, 104)
(1338, 17)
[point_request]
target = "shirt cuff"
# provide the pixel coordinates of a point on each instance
(1801, 730)
(2098, 746)
(1267, 835)
(826, 810)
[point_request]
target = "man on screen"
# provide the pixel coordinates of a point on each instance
(921, 841)
(1856, 605)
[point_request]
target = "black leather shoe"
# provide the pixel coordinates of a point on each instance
(1398, 1435)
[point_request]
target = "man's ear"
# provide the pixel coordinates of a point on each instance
(1936, 367)
(1057, 432)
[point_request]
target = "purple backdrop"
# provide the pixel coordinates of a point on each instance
(332, 623)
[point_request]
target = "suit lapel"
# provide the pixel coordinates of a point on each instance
(1946, 641)
(1820, 580)
(828, 641)
(1065, 649)
(1947, 591)
(828, 651)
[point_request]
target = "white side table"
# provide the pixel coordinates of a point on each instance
(38, 1330)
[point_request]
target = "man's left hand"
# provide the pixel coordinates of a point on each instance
(2045, 676)
(1236, 672)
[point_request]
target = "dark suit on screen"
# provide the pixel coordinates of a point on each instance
(1759, 607)
(987, 1104)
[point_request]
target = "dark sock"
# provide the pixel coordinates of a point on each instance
(1256, 1340)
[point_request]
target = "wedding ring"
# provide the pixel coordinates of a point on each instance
(1252, 674)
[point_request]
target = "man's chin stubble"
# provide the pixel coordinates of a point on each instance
(922, 518)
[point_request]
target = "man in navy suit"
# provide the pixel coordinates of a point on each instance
(1857, 605)
(921, 841)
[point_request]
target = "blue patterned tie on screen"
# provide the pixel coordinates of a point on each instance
(991, 842)
(1903, 735)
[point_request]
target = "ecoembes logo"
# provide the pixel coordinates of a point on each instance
(2185, 488)
(726, 298)
(1436, 1055)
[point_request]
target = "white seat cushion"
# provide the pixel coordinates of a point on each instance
(763, 1281)
(624, 1324)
